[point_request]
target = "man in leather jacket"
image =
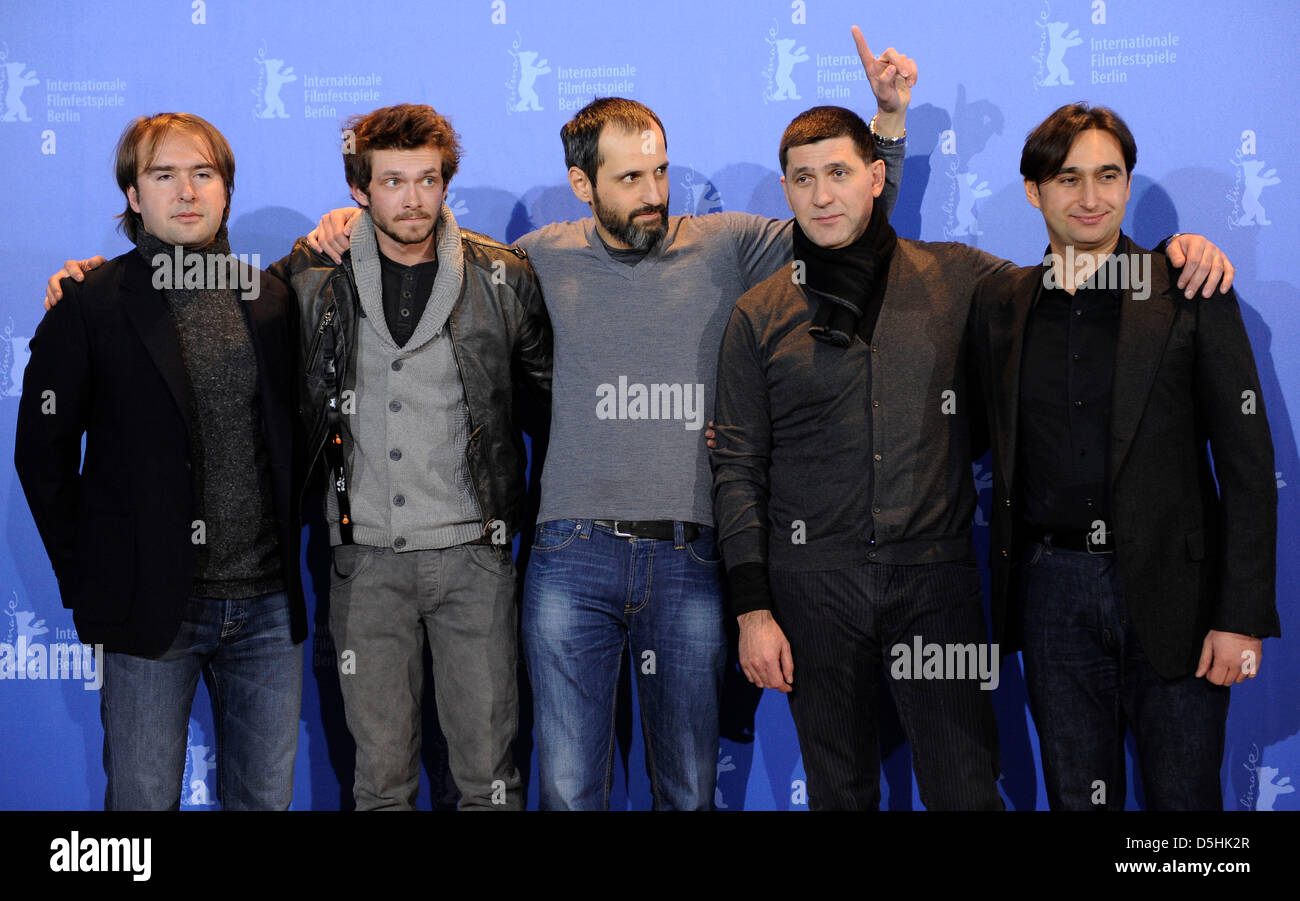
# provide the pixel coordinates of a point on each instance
(413, 347)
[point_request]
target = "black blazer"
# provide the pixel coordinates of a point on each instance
(106, 363)
(1192, 555)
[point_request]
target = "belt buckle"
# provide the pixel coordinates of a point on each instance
(621, 534)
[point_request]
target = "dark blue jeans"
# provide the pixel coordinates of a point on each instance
(590, 592)
(254, 675)
(1089, 681)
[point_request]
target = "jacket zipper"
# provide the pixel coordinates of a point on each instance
(314, 353)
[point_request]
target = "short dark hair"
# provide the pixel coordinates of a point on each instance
(581, 134)
(406, 126)
(1047, 146)
(138, 147)
(821, 123)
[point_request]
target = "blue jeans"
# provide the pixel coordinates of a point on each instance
(253, 671)
(1089, 681)
(590, 592)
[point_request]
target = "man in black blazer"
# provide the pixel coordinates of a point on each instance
(176, 542)
(1137, 580)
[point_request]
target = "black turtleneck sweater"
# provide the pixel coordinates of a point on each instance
(236, 539)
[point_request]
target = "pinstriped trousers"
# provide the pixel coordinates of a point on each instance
(847, 629)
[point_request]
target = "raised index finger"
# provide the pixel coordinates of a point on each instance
(864, 52)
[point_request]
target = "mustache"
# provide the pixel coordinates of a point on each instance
(661, 209)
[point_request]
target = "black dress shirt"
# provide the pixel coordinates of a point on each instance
(1067, 373)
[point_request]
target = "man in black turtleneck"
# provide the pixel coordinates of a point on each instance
(176, 543)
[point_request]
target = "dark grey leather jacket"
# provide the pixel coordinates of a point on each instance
(501, 337)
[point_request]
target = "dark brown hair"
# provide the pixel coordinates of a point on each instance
(407, 126)
(138, 147)
(581, 134)
(1049, 144)
(822, 123)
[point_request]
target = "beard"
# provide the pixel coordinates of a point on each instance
(627, 230)
(390, 226)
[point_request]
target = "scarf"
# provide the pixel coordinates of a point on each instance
(851, 280)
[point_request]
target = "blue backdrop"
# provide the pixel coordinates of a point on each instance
(1216, 155)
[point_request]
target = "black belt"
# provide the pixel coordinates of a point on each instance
(661, 529)
(1079, 540)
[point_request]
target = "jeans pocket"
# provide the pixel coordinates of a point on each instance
(494, 559)
(349, 561)
(704, 550)
(556, 535)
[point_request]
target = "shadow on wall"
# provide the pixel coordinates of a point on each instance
(269, 231)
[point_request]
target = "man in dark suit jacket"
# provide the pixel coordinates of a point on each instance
(176, 543)
(1138, 588)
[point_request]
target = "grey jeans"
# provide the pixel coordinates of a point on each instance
(383, 606)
